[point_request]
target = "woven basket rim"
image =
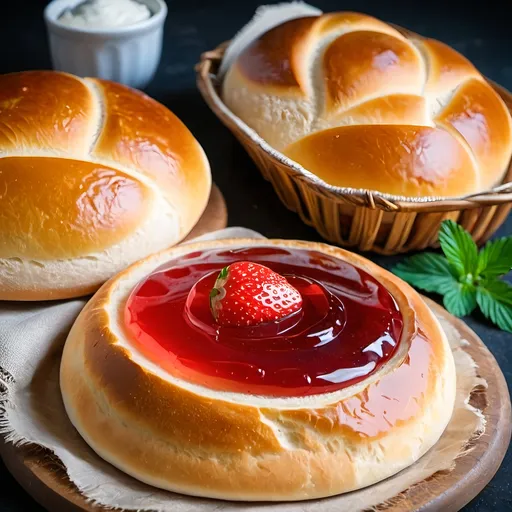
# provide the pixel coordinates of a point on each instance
(497, 195)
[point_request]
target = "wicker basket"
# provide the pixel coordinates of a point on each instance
(359, 219)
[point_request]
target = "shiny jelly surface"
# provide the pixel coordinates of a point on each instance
(349, 325)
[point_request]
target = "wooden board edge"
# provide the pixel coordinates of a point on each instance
(214, 217)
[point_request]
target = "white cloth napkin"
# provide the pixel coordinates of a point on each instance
(265, 18)
(28, 328)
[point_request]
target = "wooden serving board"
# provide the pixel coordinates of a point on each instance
(214, 217)
(43, 476)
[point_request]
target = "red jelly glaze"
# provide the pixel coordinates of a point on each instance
(349, 325)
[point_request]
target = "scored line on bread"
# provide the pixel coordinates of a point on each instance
(93, 176)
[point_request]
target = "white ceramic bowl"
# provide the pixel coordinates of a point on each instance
(129, 54)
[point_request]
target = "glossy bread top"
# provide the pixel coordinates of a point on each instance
(61, 208)
(277, 59)
(417, 160)
(93, 176)
(42, 112)
(61, 129)
(140, 133)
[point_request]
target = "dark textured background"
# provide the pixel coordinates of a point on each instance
(479, 30)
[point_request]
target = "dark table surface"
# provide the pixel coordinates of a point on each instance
(481, 32)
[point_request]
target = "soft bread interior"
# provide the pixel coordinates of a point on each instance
(42, 279)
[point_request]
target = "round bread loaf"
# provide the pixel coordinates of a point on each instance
(93, 176)
(361, 106)
(182, 436)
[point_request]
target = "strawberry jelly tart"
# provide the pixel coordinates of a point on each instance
(258, 370)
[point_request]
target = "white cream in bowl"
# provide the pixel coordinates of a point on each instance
(105, 13)
(119, 40)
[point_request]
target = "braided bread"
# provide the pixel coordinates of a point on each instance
(360, 105)
(93, 176)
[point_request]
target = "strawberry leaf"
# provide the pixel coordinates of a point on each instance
(430, 272)
(223, 273)
(465, 277)
(495, 302)
(460, 300)
(459, 248)
(495, 259)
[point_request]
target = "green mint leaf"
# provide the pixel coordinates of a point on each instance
(429, 271)
(465, 277)
(459, 248)
(495, 301)
(495, 259)
(460, 300)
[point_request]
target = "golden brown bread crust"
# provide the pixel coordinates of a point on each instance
(351, 69)
(470, 113)
(412, 160)
(277, 58)
(45, 111)
(400, 109)
(93, 176)
(359, 63)
(447, 68)
(186, 438)
(45, 216)
(140, 133)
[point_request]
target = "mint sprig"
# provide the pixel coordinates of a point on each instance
(466, 277)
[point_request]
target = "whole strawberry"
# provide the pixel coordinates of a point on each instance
(247, 294)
